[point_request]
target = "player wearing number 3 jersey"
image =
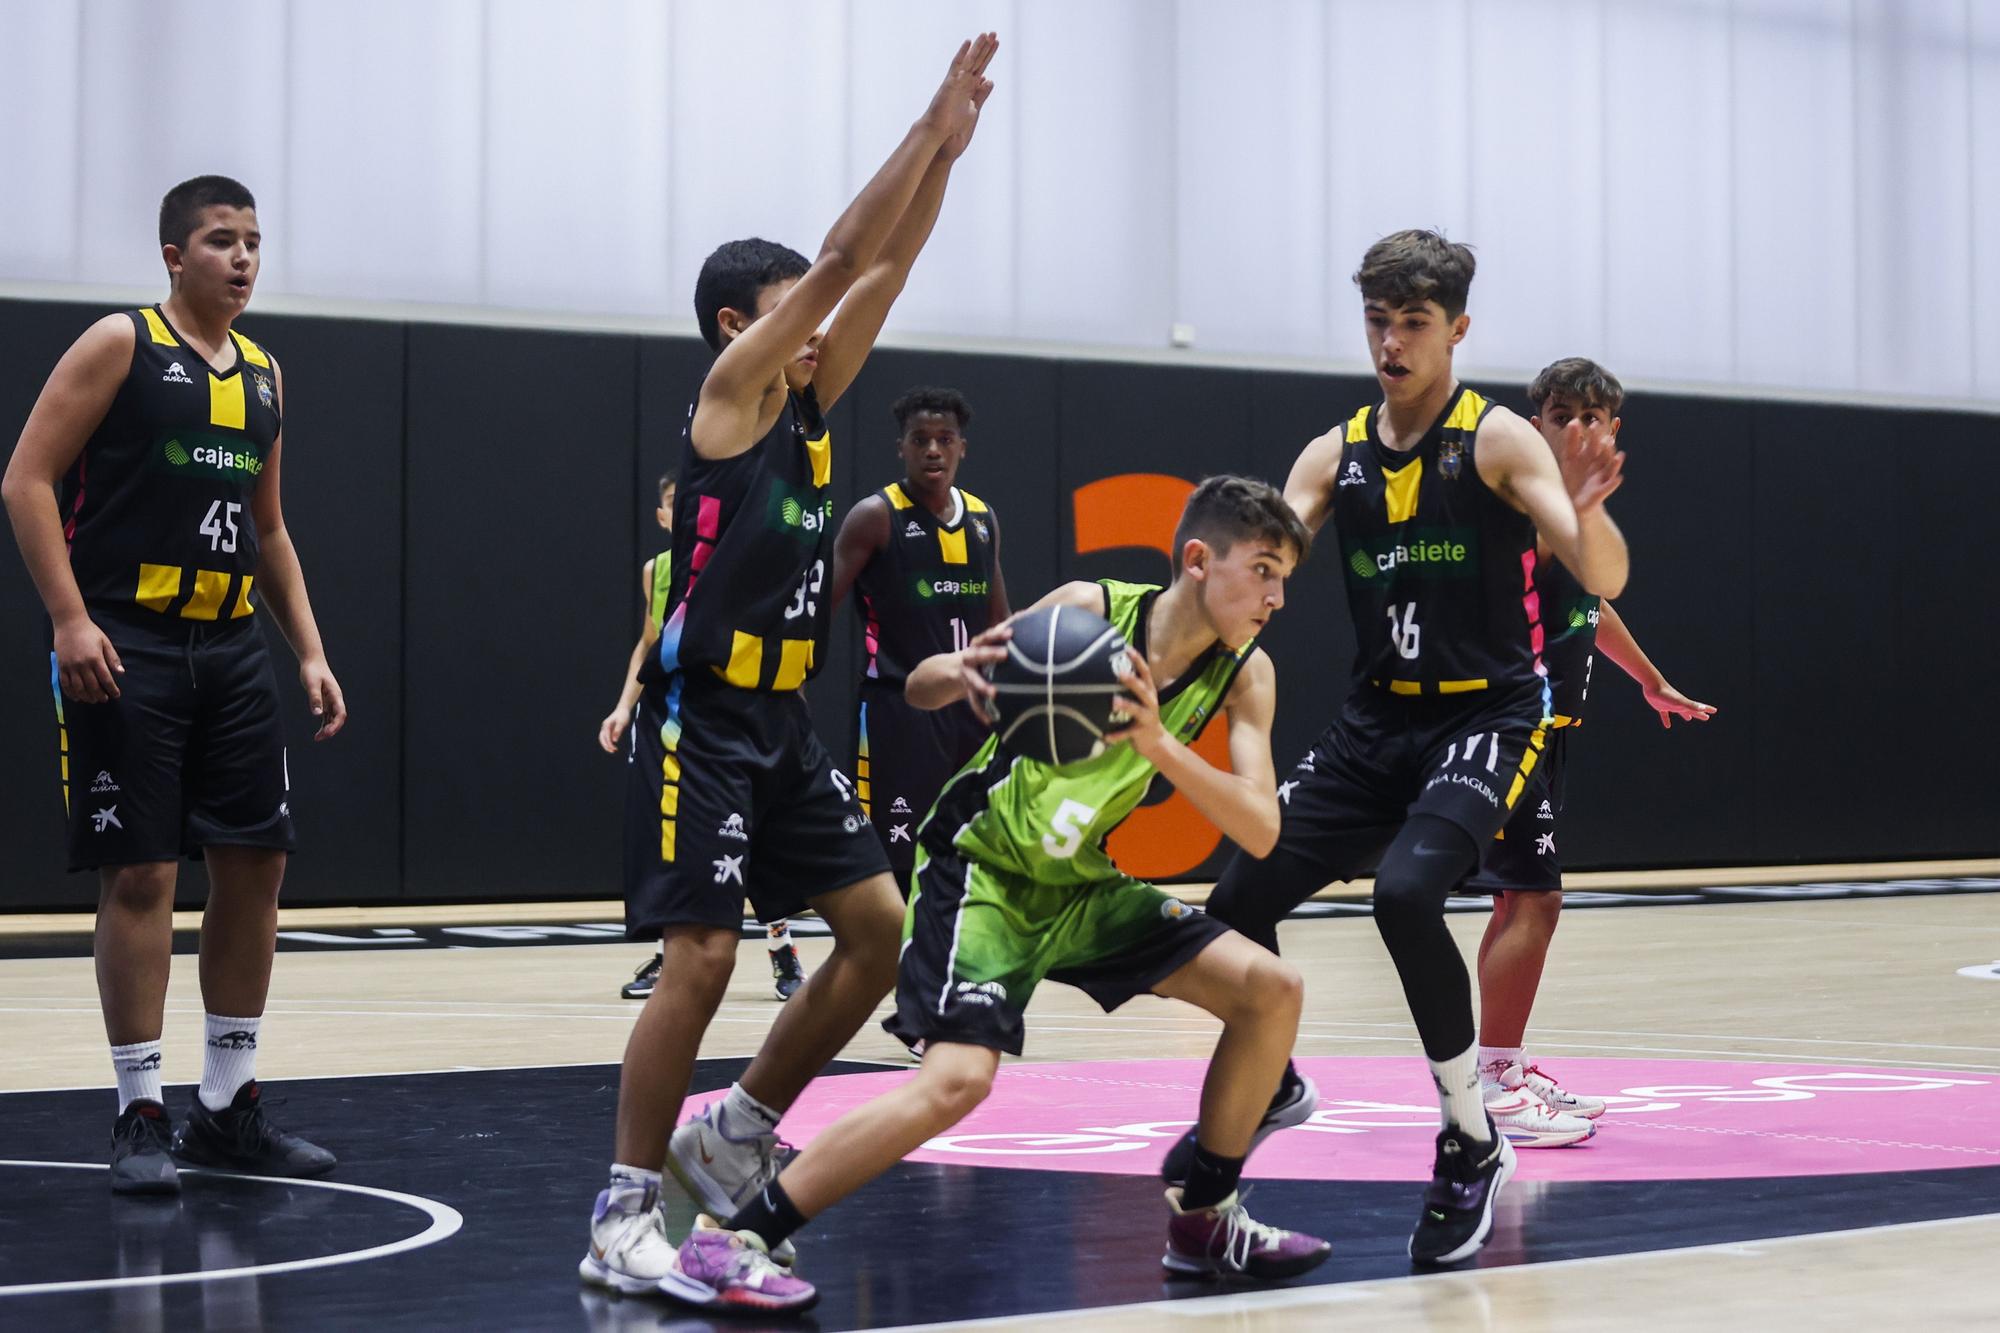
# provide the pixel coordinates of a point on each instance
(1436, 495)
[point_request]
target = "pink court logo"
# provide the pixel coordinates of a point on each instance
(1666, 1120)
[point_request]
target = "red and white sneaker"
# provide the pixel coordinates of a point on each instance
(1528, 1122)
(1553, 1095)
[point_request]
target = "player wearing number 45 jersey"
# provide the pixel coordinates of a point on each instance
(730, 793)
(1014, 886)
(144, 494)
(1437, 495)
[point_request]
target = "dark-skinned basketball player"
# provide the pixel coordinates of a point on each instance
(730, 793)
(1437, 495)
(924, 559)
(144, 495)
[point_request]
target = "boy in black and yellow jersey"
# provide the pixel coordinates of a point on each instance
(1522, 868)
(731, 794)
(924, 558)
(1437, 495)
(655, 581)
(144, 495)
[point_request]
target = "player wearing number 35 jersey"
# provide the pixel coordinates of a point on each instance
(1436, 494)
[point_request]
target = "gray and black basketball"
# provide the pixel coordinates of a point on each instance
(1053, 694)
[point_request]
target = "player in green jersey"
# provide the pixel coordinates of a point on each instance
(655, 578)
(1013, 885)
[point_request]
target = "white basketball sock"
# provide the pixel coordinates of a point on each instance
(780, 933)
(228, 1060)
(1459, 1099)
(137, 1068)
(633, 1188)
(1493, 1061)
(747, 1110)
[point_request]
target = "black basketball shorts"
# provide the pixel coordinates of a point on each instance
(191, 754)
(1524, 856)
(730, 795)
(1467, 759)
(903, 758)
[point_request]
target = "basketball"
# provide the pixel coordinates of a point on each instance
(1053, 695)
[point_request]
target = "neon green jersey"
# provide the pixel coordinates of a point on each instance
(663, 575)
(1050, 823)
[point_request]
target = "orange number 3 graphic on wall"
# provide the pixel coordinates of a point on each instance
(1140, 509)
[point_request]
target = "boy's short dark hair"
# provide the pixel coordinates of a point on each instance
(1225, 510)
(924, 398)
(1409, 267)
(180, 210)
(733, 276)
(1580, 378)
(667, 479)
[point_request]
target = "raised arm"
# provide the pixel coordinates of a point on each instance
(863, 533)
(725, 416)
(1311, 482)
(1615, 637)
(1243, 803)
(1563, 492)
(72, 404)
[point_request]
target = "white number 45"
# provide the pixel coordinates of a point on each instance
(220, 525)
(1066, 829)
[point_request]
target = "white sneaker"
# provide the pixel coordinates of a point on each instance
(1553, 1095)
(720, 1170)
(629, 1250)
(1528, 1123)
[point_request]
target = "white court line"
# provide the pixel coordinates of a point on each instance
(1345, 1293)
(445, 1222)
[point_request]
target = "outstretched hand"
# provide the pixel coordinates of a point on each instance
(1592, 465)
(1670, 703)
(954, 110)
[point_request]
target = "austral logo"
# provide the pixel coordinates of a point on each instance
(1439, 553)
(928, 588)
(208, 456)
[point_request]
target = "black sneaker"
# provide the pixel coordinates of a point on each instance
(787, 973)
(140, 1141)
(640, 987)
(1293, 1104)
(239, 1138)
(1458, 1205)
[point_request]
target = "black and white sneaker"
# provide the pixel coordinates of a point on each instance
(787, 972)
(140, 1142)
(240, 1138)
(640, 987)
(1458, 1205)
(1293, 1104)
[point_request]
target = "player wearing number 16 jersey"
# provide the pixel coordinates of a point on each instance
(730, 792)
(1436, 494)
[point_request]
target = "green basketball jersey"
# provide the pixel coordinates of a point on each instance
(663, 577)
(1050, 823)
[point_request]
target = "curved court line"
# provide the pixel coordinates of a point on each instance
(445, 1223)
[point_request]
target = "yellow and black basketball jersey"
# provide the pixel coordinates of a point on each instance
(1571, 616)
(930, 589)
(1440, 571)
(156, 509)
(749, 558)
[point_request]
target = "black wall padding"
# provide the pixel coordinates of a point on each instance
(472, 506)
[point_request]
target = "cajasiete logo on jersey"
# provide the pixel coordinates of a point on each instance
(193, 454)
(800, 513)
(1439, 553)
(929, 588)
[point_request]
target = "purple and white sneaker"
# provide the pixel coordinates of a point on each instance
(717, 1266)
(1225, 1242)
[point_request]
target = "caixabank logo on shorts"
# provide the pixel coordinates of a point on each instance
(1433, 553)
(193, 454)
